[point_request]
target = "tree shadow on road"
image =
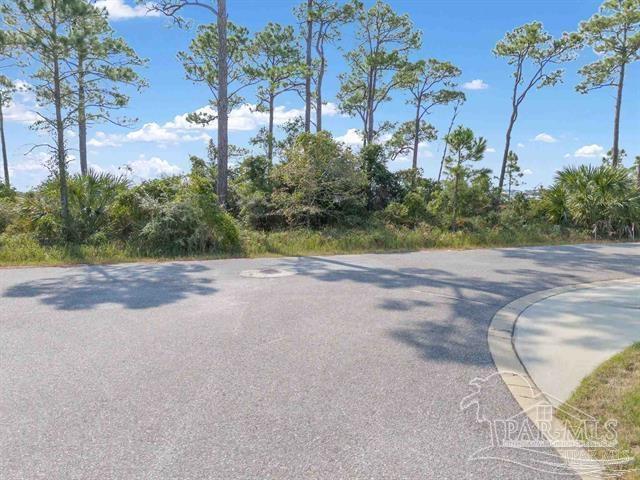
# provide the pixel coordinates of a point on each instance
(132, 286)
(470, 301)
(576, 259)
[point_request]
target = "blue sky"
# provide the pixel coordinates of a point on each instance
(557, 126)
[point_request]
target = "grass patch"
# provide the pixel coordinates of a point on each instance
(389, 238)
(24, 249)
(612, 391)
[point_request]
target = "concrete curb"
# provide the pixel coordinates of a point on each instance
(523, 388)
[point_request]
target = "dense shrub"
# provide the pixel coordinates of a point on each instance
(604, 199)
(319, 183)
(189, 224)
(172, 215)
(253, 186)
(474, 199)
(410, 212)
(91, 199)
(7, 193)
(176, 215)
(7, 213)
(382, 186)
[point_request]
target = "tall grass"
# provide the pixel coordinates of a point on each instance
(302, 242)
(24, 249)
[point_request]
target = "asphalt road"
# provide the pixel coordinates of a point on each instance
(353, 367)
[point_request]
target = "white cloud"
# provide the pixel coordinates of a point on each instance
(102, 139)
(330, 109)
(545, 138)
(180, 121)
(152, 132)
(32, 163)
(476, 84)
(491, 150)
(520, 145)
(567, 155)
(589, 151)
(18, 112)
(120, 10)
(144, 168)
(245, 118)
(149, 133)
(352, 137)
(179, 130)
(423, 151)
(23, 105)
(28, 170)
(527, 171)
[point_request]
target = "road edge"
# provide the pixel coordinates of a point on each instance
(514, 374)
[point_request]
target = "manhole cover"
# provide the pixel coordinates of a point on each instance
(267, 273)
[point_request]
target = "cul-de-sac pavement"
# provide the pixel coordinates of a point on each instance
(333, 367)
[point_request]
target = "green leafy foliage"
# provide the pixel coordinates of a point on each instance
(464, 150)
(320, 183)
(534, 55)
(382, 186)
(604, 199)
(174, 215)
(384, 40)
(201, 65)
(276, 62)
(614, 34)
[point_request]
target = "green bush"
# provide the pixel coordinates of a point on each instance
(91, 199)
(382, 186)
(174, 216)
(604, 199)
(7, 193)
(253, 186)
(8, 213)
(396, 213)
(410, 212)
(320, 183)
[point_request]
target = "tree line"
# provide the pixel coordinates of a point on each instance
(80, 70)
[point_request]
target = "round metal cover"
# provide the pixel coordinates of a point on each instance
(267, 273)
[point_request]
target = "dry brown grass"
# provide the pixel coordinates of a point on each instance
(612, 391)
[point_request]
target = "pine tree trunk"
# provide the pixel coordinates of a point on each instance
(416, 137)
(82, 117)
(60, 146)
(307, 83)
(270, 137)
(223, 104)
(3, 141)
(446, 145)
(370, 122)
(615, 152)
(321, 69)
(454, 220)
(507, 148)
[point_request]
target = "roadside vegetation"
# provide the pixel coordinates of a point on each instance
(297, 190)
(613, 392)
(321, 199)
